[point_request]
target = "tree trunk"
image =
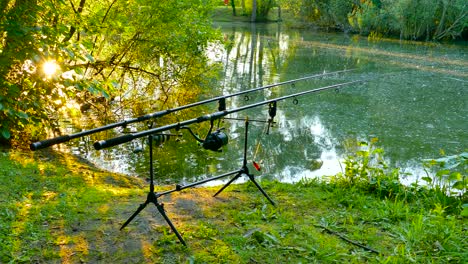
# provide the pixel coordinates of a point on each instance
(253, 51)
(72, 28)
(279, 13)
(442, 20)
(253, 18)
(233, 4)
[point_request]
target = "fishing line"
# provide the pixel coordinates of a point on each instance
(272, 109)
(257, 149)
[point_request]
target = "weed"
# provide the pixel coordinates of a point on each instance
(447, 183)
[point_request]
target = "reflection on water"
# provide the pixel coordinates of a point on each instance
(414, 102)
(327, 163)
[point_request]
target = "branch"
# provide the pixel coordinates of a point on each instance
(126, 49)
(118, 65)
(139, 70)
(78, 12)
(447, 31)
(348, 240)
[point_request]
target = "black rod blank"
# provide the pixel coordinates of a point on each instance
(210, 117)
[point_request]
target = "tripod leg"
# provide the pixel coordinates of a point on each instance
(227, 184)
(160, 207)
(141, 207)
(251, 177)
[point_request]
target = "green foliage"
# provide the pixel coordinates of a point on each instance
(262, 9)
(424, 19)
(103, 49)
(324, 13)
(416, 18)
(24, 45)
(409, 19)
(366, 168)
(448, 173)
(338, 11)
(365, 18)
(447, 179)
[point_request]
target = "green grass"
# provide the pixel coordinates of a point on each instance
(55, 208)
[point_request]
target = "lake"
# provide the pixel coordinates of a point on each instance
(414, 101)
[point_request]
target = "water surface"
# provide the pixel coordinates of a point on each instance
(414, 101)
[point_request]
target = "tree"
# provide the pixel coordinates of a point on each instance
(233, 5)
(102, 50)
(253, 17)
(409, 19)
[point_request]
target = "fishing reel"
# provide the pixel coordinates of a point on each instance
(213, 140)
(272, 107)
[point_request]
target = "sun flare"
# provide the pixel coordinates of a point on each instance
(50, 68)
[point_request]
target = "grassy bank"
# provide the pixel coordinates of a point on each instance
(56, 208)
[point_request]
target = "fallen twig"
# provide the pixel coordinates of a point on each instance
(348, 240)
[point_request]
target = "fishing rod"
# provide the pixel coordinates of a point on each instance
(209, 117)
(61, 139)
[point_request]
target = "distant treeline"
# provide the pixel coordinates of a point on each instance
(407, 19)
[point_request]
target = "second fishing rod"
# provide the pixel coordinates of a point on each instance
(221, 99)
(213, 141)
(210, 117)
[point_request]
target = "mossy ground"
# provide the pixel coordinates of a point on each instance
(56, 208)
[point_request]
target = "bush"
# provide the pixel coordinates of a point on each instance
(416, 18)
(367, 170)
(365, 19)
(409, 19)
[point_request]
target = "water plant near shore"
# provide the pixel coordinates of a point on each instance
(445, 187)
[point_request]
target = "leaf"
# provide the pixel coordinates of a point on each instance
(79, 71)
(442, 173)
(272, 238)
(251, 231)
(427, 179)
(378, 151)
(455, 176)
(105, 94)
(459, 185)
(362, 153)
(79, 86)
(22, 115)
(90, 57)
(69, 52)
(5, 133)
(464, 212)
(115, 84)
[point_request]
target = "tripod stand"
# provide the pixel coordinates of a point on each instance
(153, 198)
(245, 170)
(238, 173)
